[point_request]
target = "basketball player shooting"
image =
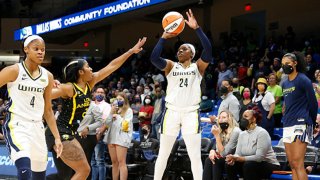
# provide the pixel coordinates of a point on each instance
(183, 98)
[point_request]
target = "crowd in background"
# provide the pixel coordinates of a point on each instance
(242, 67)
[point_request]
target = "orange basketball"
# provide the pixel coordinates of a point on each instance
(173, 22)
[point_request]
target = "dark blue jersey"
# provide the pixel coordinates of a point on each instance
(300, 101)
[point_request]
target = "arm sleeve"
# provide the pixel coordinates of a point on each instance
(263, 144)
(234, 108)
(312, 101)
(206, 55)
(155, 58)
(98, 120)
(230, 147)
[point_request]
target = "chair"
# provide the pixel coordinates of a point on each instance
(281, 156)
(311, 157)
(134, 169)
(148, 154)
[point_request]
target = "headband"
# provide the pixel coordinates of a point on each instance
(193, 50)
(28, 40)
(79, 63)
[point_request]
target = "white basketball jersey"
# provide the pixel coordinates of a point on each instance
(26, 94)
(183, 90)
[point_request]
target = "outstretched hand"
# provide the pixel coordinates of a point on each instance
(58, 147)
(192, 22)
(138, 47)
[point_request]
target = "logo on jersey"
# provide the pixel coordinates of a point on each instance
(24, 78)
(30, 89)
(43, 80)
(188, 73)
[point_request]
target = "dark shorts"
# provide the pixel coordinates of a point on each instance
(64, 135)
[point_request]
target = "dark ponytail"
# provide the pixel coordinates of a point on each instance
(71, 71)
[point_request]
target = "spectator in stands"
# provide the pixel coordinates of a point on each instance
(254, 157)
(96, 115)
(237, 88)
(276, 67)
(266, 103)
(316, 143)
(262, 71)
(146, 111)
(224, 73)
(146, 132)
(159, 106)
(229, 101)
(206, 104)
(299, 113)
(226, 133)
(246, 100)
(119, 135)
(311, 67)
(316, 87)
(135, 106)
(276, 91)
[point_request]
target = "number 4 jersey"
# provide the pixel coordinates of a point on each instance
(26, 94)
(183, 91)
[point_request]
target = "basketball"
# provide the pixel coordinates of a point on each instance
(173, 23)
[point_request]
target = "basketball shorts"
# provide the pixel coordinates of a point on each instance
(173, 121)
(25, 138)
(303, 132)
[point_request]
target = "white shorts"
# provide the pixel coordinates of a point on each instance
(26, 139)
(302, 132)
(173, 121)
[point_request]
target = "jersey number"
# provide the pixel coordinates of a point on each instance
(183, 82)
(32, 101)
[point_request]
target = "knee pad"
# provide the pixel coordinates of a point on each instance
(23, 168)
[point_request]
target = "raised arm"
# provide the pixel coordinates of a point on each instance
(116, 63)
(206, 55)
(159, 62)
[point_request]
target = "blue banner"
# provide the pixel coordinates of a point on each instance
(8, 168)
(86, 16)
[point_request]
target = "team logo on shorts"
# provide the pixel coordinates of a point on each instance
(65, 136)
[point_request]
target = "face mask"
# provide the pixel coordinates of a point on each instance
(223, 90)
(287, 69)
(224, 125)
(132, 82)
(244, 123)
(144, 131)
(120, 103)
(204, 97)
(147, 101)
(137, 100)
(146, 91)
(223, 97)
(99, 97)
(246, 95)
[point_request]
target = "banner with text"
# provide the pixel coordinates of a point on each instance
(86, 16)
